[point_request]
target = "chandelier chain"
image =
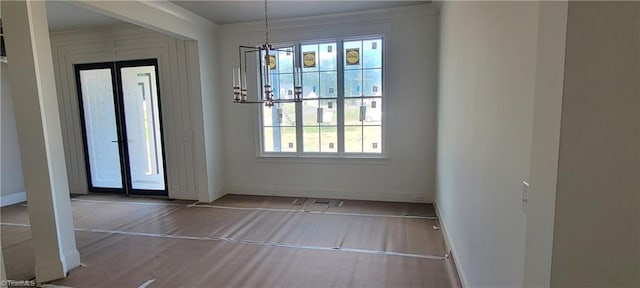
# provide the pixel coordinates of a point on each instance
(266, 22)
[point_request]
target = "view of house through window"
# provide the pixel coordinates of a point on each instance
(341, 111)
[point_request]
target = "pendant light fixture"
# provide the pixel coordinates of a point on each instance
(266, 62)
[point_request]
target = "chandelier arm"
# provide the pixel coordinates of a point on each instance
(240, 65)
(286, 100)
(251, 102)
(252, 48)
(273, 101)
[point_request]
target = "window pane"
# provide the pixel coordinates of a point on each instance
(329, 110)
(311, 140)
(352, 55)
(310, 112)
(353, 139)
(328, 57)
(329, 139)
(285, 86)
(352, 83)
(279, 139)
(372, 53)
(269, 139)
(362, 92)
(372, 82)
(287, 113)
(373, 111)
(372, 139)
(269, 116)
(285, 61)
(288, 139)
(274, 79)
(310, 85)
(329, 84)
(309, 55)
(281, 114)
(352, 111)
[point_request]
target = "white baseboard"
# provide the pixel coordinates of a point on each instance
(183, 195)
(449, 246)
(334, 194)
(58, 269)
(6, 200)
(50, 272)
(71, 260)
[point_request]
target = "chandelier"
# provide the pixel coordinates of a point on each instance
(266, 63)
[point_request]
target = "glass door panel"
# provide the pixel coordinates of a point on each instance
(100, 127)
(142, 125)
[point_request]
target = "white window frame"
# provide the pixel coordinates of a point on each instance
(340, 105)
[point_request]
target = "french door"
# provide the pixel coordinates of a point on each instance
(122, 127)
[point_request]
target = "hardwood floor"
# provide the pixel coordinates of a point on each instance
(243, 241)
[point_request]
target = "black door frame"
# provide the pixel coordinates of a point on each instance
(116, 77)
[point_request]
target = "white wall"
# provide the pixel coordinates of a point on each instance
(202, 79)
(12, 190)
(597, 219)
(545, 143)
(487, 88)
(410, 119)
(128, 42)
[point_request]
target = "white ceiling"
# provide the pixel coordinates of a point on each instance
(64, 16)
(226, 12)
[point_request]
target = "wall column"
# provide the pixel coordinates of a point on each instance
(40, 136)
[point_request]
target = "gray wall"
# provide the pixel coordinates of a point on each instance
(11, 180)
(487, 87)
(596, 239)
(545, 142)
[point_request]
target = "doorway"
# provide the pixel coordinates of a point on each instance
(122, 127)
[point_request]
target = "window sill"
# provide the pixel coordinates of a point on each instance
(329, 159)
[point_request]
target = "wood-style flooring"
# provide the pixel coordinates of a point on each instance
(243, 241)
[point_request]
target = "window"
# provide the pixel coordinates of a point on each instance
(342, 91)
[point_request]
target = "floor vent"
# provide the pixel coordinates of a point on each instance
(299, 201)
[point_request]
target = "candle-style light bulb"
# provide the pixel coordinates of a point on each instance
(265, 74)
(235, 81)
(297, 87)
(236, 84)
(244, 80)
(295, 76)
